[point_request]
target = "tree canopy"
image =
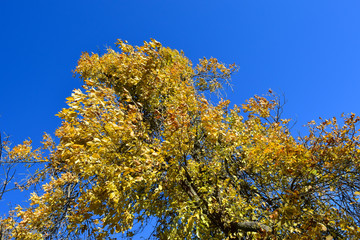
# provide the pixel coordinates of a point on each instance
(143, 141)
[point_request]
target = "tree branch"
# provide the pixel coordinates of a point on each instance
(249, 226)
(235, 227)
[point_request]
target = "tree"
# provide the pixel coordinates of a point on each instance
(142, 141)
(6, 176)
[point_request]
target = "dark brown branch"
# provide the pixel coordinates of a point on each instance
(249, 226)
(215, 218)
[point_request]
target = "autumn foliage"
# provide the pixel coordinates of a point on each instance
(142, 141)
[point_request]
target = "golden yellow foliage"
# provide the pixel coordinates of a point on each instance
(140, 141)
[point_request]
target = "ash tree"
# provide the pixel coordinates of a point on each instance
(142, 141)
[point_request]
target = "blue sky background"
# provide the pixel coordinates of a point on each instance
(308, 50)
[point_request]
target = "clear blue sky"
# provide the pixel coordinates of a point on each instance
(309, 50)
